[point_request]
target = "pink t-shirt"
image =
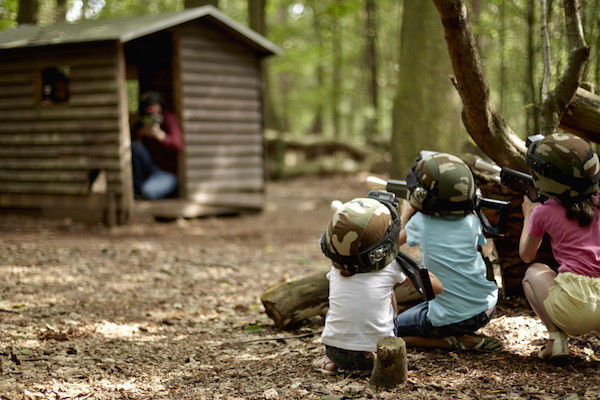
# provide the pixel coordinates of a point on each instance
(575, 247)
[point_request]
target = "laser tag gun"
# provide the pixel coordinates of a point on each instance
(400, 189)
(415, 271)
(516, 180)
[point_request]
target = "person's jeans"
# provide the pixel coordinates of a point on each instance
(414, 322)
(149, 181)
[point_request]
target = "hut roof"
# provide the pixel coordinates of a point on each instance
(126, 29)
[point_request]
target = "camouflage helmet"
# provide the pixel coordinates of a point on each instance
(362, 236)
(442, 184)
(564, 167)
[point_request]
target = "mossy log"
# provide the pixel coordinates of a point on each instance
(390, 367)
(292, 302)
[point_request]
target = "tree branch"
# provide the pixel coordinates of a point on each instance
(485, 125)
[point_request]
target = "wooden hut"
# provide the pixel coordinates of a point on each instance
(73, 156)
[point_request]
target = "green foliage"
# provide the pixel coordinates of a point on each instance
(301, 81)
(8, 13)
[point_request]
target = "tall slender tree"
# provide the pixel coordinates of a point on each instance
(532, 121)
(60, 13)
(28, 12)
(257, 21)
(336, 79)
(371, 126)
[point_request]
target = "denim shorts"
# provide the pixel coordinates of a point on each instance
(414, 322)
(350, 359)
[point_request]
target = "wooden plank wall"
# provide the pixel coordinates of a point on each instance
(47, 151)
(222, 118)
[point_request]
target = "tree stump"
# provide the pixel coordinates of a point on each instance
(390, 366)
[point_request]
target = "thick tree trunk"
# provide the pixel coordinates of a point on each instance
(200, 3)
(426, 109)
(28, 12)
(391, 366)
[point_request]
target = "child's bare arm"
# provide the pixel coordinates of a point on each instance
(528, 244)
(406, 211)
(436, 284)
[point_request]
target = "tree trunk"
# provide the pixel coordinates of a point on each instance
(60, 14)
(284, 77)
(292, 302)
(28, 12)
(336, 84)
(502, 35)
(200, 3)
(476, 12)
(426, 113)
(257, 22)
(371, 125)
(533, 116)
(317, 125)
(391, 366)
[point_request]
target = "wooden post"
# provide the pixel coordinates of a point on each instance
(390, 367)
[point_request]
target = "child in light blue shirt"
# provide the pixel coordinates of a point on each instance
(439, 218)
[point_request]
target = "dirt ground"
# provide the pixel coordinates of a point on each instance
(172, 310)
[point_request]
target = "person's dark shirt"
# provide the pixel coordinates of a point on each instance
(165, 153)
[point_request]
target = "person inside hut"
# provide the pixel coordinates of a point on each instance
(156, 142)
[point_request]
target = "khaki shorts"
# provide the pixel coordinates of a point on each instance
(573, 303)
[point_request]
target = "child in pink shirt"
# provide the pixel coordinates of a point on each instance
(565, 170)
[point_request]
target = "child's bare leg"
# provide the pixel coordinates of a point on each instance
(420, 341)
(536, 284)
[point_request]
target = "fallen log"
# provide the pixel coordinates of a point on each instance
(390, 366)
(582, 116)
(292, 302)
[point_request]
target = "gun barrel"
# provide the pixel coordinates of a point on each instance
(395, 186)
(375, 182)
(486, 166)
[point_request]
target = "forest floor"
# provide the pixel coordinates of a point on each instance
(171, 311)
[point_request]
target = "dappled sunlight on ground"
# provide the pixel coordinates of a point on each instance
(172, 311)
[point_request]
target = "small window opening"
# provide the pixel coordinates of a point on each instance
(55, 85)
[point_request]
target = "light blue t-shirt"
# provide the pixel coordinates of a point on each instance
(449, 250)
